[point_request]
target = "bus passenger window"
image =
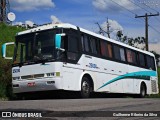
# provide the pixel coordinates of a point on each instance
(153, 64)
(129, 56)
(141, 60)
(116, 52)
(82, 42)
(109, 47)
(93, 45)
(73, 44)
(122, 54)
(150, 63)
(72, 48)
(103, 48)
(86, 44)
(134, 57)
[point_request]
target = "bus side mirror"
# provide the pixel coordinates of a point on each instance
(58, 39)
(4, 50)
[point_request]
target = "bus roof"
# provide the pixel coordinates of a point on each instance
(66, 25)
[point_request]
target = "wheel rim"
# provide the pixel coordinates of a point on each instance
(85, 87)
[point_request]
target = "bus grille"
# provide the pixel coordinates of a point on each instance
(31, 77)
(153, 85)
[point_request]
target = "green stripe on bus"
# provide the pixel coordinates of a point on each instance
(136, 75)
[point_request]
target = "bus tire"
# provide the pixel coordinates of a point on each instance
(85, 87)
(143, 90)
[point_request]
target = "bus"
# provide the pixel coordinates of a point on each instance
(67, 57)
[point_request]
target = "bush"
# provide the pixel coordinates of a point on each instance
(7, 34)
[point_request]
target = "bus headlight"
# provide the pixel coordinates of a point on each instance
(56, 74)
(50, 74)
(15, 78)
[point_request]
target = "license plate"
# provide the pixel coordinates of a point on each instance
(31, 84)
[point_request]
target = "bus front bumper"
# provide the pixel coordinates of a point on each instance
(37, 85)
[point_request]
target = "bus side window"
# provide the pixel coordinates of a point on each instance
(134, 57)
(116, 52)
(122, 54)
(129, 56)
(82, 42)
(86, 44)
(141, 60)
(93, 45)
(73, 48)
(103, 46)
(109, 48)
(153, 63)
(150, 63)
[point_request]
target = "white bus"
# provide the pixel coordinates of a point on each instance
(66, 57)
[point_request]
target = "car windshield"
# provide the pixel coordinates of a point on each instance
(35, 47)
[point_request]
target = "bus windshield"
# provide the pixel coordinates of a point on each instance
(35, 47)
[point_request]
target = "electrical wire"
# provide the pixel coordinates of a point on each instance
(134, 14)
(151, 9)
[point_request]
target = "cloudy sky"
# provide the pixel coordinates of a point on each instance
(85, 13)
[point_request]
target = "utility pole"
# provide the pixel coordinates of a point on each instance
(108, 27)
(146, 26)
(101, 31)
(4, 10)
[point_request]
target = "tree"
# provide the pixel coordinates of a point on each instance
(129, 40)
(157, 56)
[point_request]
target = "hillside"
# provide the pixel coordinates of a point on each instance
(7, 34)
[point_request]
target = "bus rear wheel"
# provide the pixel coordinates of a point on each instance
(85, 87)
(143, 91)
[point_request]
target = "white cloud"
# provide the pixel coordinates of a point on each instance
(114, 25)
(29, 23)
(28, 5)
(18, 23)
(26, 24)
(55, 19)
(154, 47)
(108, 5)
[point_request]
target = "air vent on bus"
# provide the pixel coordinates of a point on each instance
(153, 86)
(30, 77)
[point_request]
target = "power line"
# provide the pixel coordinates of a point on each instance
(145, 9)
(123, 7)
(130, 10)
(147, 6)
(154, 29)
(151, 9)
(132, 13)
(139, 6)
(146, 22)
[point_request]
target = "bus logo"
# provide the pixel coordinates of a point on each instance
(16, 70)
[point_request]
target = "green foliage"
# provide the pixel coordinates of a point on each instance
(159, 79)
(7, 34)
(157, 56)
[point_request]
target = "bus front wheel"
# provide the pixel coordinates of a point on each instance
(85, 87)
